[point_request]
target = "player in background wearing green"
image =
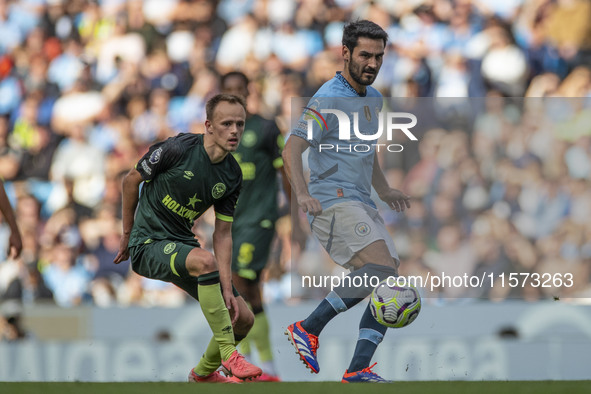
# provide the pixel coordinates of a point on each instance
(259, 156)
(15, 243)
(184, 176)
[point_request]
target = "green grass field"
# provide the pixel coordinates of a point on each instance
(523, 387)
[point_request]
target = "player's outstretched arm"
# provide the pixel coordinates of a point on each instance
(130, 197)
(222, 249)
(395, 199)
(292, 161)
(15, 243)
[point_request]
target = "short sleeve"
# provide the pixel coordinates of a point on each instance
(310, 123)
(159, 158)
(224, 208)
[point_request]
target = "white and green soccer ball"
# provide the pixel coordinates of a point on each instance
(393, 305)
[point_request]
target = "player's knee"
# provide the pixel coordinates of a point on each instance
(249, 319)
(203, 263)
(208, 263)
(245, 322)
(381, 271)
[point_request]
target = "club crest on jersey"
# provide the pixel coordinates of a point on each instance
(155, 156)
(362, 229)
(218, 190)
(169, 248)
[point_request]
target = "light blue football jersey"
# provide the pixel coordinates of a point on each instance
(341, 163)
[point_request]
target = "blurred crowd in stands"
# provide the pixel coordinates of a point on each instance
(86, 86)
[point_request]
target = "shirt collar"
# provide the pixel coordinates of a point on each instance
(344, 81)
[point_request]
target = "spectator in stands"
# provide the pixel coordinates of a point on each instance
(66, 276)
(9, 156)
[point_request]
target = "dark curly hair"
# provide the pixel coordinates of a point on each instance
(362, 28)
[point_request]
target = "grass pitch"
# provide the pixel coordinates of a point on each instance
(519, 387)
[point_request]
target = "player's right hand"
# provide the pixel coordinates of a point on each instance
(232, 305)
(123, 250)
(310, 205)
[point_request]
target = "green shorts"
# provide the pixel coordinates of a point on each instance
(250, 250)
(166, 260)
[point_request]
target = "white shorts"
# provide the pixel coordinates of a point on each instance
(346, 228)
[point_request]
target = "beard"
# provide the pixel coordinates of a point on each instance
(357, 73)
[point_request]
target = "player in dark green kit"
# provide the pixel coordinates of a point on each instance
(259, 156)
(183, 176)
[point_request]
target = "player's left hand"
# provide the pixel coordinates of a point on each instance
(396, 199)
(232, 305)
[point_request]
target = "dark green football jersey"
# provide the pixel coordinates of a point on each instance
(259, 156)
(180, 184)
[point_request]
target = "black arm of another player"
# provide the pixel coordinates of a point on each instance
(130, 198)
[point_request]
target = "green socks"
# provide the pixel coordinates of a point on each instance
(211, 359)
(245, 349)
(259, 335)
(215, 312)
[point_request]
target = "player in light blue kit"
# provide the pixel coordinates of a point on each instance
(343, 168)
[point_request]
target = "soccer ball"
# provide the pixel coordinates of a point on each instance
(395, 306)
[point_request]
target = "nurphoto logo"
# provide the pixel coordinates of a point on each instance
(359, 141)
